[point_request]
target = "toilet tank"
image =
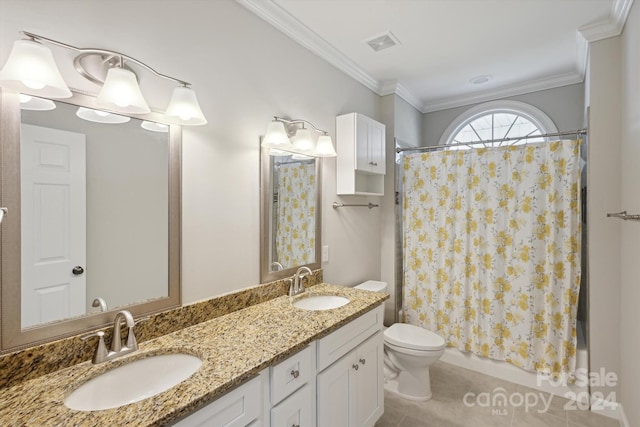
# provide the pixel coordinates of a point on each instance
(372, 285)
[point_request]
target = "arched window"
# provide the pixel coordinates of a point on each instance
(498, 120)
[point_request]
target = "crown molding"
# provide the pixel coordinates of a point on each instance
(279, 18)
(610, 27)
(303, 35)
(504, 92)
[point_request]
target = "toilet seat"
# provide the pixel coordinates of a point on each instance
(413, 337)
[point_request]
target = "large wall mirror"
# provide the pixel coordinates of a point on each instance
(93, 222)
(290, 217)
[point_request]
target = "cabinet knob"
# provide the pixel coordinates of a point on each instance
(373, 163)
(295, 374)
(363, 361)
(295, 425)
(356, 366)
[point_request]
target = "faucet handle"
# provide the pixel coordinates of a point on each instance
(101, 353)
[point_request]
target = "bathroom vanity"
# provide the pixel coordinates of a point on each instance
(267, 364)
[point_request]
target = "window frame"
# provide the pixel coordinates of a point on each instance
(536, 116)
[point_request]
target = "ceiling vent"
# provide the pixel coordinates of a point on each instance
(382, 42)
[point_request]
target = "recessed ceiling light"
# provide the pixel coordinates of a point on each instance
(383, 41)
(478, 80)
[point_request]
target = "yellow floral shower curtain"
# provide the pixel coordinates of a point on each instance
(296, 225)
(492, 251)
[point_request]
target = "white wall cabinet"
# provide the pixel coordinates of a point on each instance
(360, 164)
(350, 392)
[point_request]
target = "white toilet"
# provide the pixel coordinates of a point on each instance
(409, 351)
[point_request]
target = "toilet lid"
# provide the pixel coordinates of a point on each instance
(413, 337)
(372, 285)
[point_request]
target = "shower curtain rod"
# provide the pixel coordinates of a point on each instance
(489, 141)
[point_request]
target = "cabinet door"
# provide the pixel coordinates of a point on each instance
(238, 408)
(295, 410)
(370, 381)
(362, 125)
(336, 394)
(376, 147)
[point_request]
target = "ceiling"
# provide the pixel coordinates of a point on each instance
(521, 45)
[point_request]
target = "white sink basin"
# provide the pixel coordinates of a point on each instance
(320, 302)
(132, 382)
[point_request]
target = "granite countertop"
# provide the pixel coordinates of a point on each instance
(233, 349)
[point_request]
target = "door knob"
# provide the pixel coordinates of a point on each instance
(77, 270)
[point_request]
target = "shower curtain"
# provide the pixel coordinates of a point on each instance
(492, 251)
(296, 226)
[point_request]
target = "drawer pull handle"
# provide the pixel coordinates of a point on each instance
(373, 163)
(355, 366)
(295, 374)
(295, 425)
(363, 361)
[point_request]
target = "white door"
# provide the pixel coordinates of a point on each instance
(53, 202)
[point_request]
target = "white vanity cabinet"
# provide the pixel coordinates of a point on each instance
(360, 163)
(351, 388)
(336, 381)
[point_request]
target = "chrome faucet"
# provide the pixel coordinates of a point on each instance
(296, 286)
(118, 348)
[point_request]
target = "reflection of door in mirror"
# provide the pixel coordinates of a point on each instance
(53, 225)
(126, 255)
(294, 213)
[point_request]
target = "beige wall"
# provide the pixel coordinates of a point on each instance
(630, 236)
(604, 196)
(244, 72)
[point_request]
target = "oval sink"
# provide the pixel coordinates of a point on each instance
(133, 382)
(320, 302)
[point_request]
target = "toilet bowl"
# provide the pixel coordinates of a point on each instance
(409, 351)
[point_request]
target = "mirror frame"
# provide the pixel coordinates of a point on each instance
(13, 337)
(265, 218)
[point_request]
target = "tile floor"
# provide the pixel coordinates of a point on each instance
(447, 408)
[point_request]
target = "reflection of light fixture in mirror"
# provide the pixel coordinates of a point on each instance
(184, 108)
(100, 116)
(121, 92)
(31, 69)
(154, 127)
(277, 137)
(28, 102)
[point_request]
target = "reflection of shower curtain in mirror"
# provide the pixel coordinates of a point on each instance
(492, 251)
(296, 225)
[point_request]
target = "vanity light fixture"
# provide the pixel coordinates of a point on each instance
(278, 139)
(31, 69)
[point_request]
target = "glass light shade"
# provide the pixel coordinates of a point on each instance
(154, 127)
(184, 108)
(36, 104)
(98, 116)
(302, 142)
(121, 92)
(276, 136)
(31, 69)
(324, 147)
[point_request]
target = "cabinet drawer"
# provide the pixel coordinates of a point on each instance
(340, 342)
(291, 374)
(294, 410)
(238, 408)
